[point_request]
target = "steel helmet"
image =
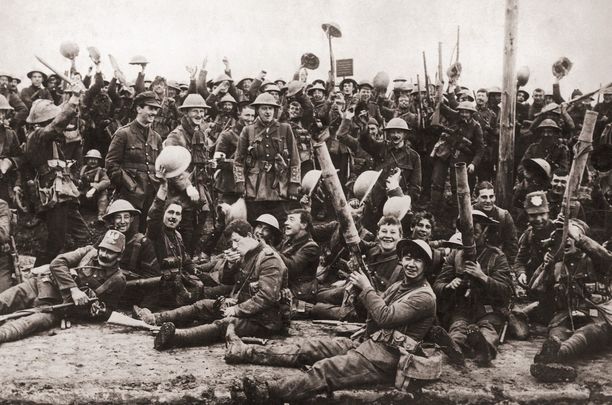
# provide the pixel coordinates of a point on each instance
(548, 123)
(417, 245)
(607, 91)
(494, 89)
(138, 60)
(332, 29)
(317, 86)
(223, 78)
(400, 79)
(269, 220)
(265, 99)
(524, 93)
(31, 72)
(174, 160)
(4, 104)
(366, 83)
(241, 81)
(455, 241)
(42, 110)
(397, 207)
(173, 84)
(228, 98)
(397, 123)
(364, 183)
(294, 87)
(69, 49)
(193, 101)
(540, 165)
(480, 217)
(310, 181)
(272, 87)
(94, 54)
(348, 80)
(119, 206)
(381, 80)
(93, 153)
(466, 105)
(7, 75)
(522, 75)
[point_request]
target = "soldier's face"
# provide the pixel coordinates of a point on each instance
(242, 244)
(388, 236)
(196, 115)
(465, 115)
(227, 107)
(4, 81)
(559, 183)
(92, 162)
(404, 100)
(539, 220)
(159, 88)
(266, 113)
(147, 114)
(486, 198)
(317, 95)
(246, 85)
(607, 98)
(548, 99)
(15, 82)
(122, 221)
(422, 230)
(247, 115)
(481, 98)
(538, 97)
(173, 216)
(293, 225)
(520, 97)
(275, 94)
(264, 233)
(396, 136)
(2, 115)
(373, 131)
(365, 93)
(570, 247)
(107, 258)
(36, 79)
(413, 266)
(549, 133)
(294, 111)
(171, 92)
(347, 88)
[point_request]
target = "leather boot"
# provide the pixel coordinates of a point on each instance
(22, 327)
(549, 351)
(589, 337)
(168, 336)
(553, 372)
(184, 313)
(440, 337)
(256, 391)
(482, 349)
(143, 314)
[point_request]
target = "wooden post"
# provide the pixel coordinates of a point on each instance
(505, 167)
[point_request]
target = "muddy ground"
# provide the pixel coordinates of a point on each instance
(111, 364)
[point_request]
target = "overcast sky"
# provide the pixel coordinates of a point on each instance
(272, 35)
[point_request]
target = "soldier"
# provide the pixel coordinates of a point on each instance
(531, 246)
(98, 114)
(555, 194)
(505, 238)
(130, 161)
(580, 284)
(397, 322)
(548, 147)
(77, 277)
(348, 88)
(317, 94)
(11, 157)
(10, 92)
(391, 157)
(258, 308)
(191, 135)
(36, 90)
(224, 107)
(57, 194)
(94, 183)
(267, 162)
(267, 230)
(463, 144)
(7, 225)
(538, 103)
(489, 123)
(494, 94)
(301, 255)
(477, 290)
(168, 115)
(537, 174)
(604, 111)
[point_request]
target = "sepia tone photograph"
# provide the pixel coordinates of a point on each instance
(306, 202)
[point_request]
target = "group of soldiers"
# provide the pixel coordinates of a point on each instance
(219, 222)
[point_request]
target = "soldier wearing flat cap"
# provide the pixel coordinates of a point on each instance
(130, 161)
(36, 90)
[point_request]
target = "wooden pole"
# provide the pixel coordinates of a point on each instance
(505, 167)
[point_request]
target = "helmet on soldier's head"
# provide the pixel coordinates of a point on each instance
(317, 86)
(93, 153)
(113, 240)
(119, 206)
(228, 98)
(538, 165)
(194, 101)
(294, 87)
(494, 90)
(42, 110)
(480, 217)
(364, 183)
(4, 104)
(269, 220)
(366, 83)
(397, 123)
(524, 93)
(416, 246)
(172, 161)
(607, 91)
(272, 87)
(397, 207)
(466, 105)
(222, 78)
(265, 99)
(548, 123)
(536, 203)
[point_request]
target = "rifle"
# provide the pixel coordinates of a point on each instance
(117, 318)
(15, 260)
(436, 118)
(50, 309)
(421, 115)
(426, 78)
(144, 282)
(336, 323)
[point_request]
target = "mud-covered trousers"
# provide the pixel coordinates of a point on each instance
(590, 335)
(488, 324)
(30, 293)
(337, 363)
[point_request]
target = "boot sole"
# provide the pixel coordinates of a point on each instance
(164, 336)
(553, 372)
(440, 337)
(477, 341)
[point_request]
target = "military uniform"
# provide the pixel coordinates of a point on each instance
(475, 303)
(130, 163)
(166, 118)
(10, 149)
(224, 180)
(267, 167)
(262, 304)
(555, 153)
(79, 268)
(6, 261)
(489, 123)
(397, 322)
(95, 178)
(31, 93)
(301, 256)
(505, 237)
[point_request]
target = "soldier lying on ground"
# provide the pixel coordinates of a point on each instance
(78, 277)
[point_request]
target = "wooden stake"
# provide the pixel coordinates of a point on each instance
(505, 168)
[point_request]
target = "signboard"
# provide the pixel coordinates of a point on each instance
(344, 67)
